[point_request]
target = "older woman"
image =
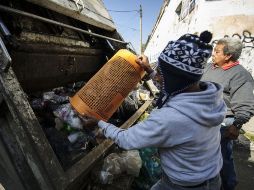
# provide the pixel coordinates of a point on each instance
(238, 84)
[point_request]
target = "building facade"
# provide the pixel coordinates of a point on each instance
(223, 18)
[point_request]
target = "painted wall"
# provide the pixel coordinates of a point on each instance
(221, 17)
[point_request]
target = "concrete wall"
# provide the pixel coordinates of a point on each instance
(221, 17)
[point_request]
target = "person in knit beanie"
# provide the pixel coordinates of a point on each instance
(181, 64)
(186, 126)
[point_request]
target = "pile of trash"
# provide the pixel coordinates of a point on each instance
(150, 171)
(115, 164)
(133, 169)
(65, 129)
(116, 171)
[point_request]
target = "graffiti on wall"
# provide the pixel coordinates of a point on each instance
(246, 38)
(247, 54)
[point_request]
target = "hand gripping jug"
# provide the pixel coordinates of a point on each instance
(106, 90)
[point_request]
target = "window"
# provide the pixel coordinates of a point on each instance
(191, 6)
(185, 8)
(178, 9)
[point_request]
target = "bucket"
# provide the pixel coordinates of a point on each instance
(106, 90)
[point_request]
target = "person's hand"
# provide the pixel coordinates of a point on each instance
(99, 135)
(143, 62)
(89, 121)
(232, 132)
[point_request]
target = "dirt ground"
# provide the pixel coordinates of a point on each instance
(244, 164)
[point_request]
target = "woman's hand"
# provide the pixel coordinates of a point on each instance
(143, 62)
(89, 122)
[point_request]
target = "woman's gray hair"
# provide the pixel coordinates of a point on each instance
(232, 46)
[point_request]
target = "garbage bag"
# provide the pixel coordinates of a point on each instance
(67, 114)
(132, 162)
(150, 172)
(51, 96)
(127, 108)
(106, 177)
(115, 164)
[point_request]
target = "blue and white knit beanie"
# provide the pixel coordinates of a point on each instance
(182, 62)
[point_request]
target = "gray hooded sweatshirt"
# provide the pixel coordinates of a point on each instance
(187, 132)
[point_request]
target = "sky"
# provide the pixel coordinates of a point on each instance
(128, 23)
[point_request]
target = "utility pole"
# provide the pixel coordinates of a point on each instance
(140, 13)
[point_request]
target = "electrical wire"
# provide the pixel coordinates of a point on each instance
(121, 11)
(123, 25)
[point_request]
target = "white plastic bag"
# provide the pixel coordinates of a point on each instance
(67, 114)
(116, 164)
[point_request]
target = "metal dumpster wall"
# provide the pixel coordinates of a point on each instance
(38, 158)
(53, 56)
(8, 175)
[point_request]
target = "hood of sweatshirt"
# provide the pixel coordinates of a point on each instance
(208, 116)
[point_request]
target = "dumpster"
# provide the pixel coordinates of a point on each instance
(45, 45)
